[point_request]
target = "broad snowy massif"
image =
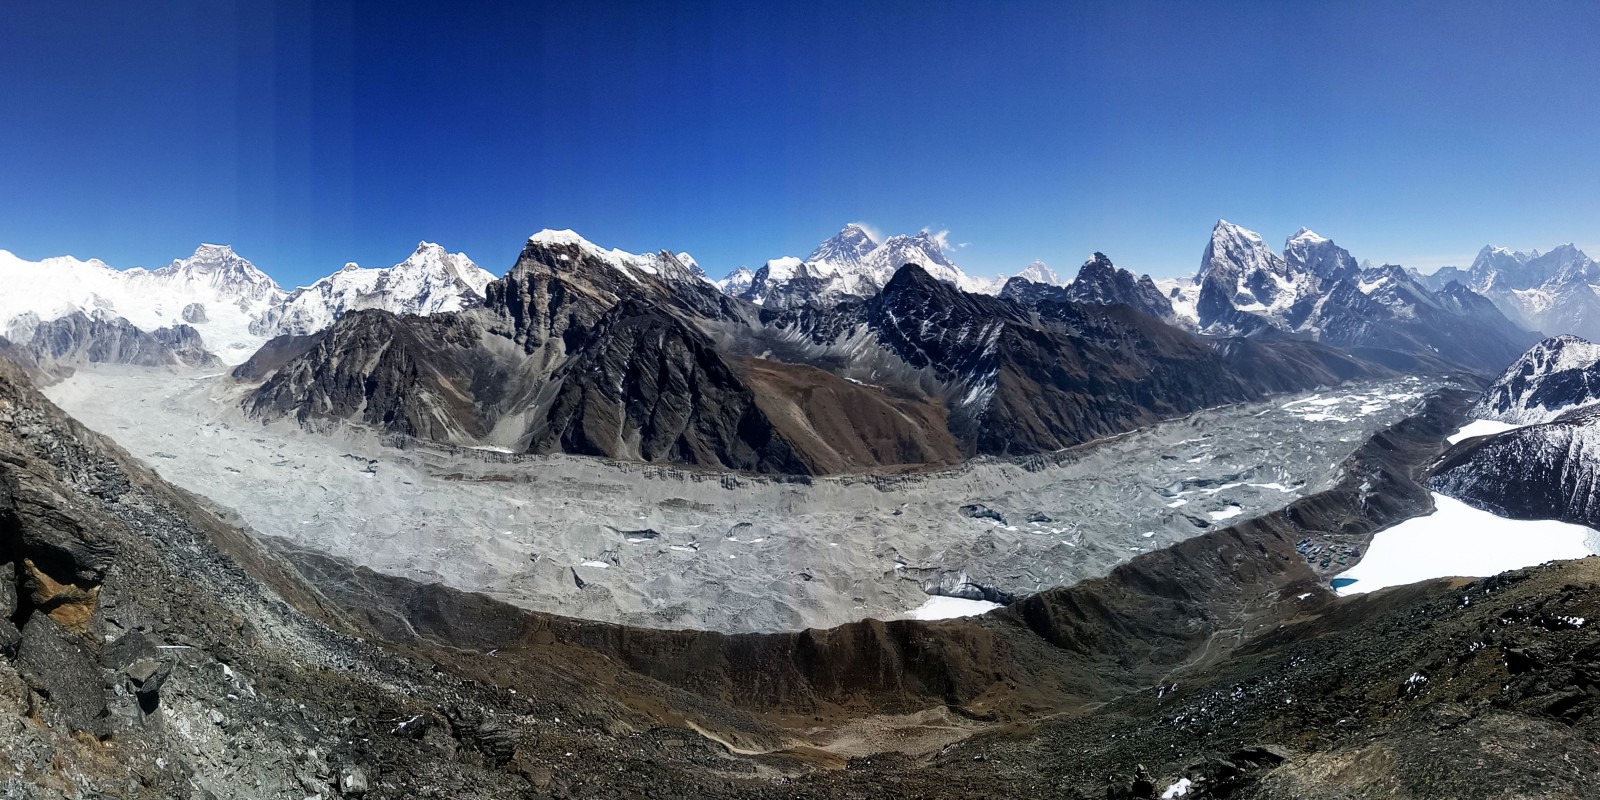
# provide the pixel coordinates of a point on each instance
(234, 306)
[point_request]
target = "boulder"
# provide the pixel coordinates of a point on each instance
(57, 664)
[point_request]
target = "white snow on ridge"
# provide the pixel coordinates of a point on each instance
(1459, 540)
(1517, 396)
(1481, 427)
(235, 306)
(232, 293)
(853, 263)
(941, 607)
(430, 281)
(1185, 296)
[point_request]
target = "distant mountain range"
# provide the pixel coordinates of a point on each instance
(863, 355)
(220, 298)
(1557, 292)
(853, 264)
(585, 350)
(1316, 289)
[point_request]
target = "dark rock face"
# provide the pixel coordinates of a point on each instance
(195, 313)
(557, 292)
(1101, 283)
(1547, 471)
(1554, 376)
(646, 387)
(79, 338)
(410, 375)
(58, 664)
(1028, 293)
(592, 358)
(1022, 383)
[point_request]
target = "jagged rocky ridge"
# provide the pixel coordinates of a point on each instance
(582, 350)
(1316, 289)
(164, 653)
(852, 265)
(1557, 292)
(78, 339)
(1099, 282)
(579, 350)
(1555, 376)
(1019, 380)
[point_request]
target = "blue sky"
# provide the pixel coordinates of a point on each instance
(311, 136)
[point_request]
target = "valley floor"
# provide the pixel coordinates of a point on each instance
(664, 547)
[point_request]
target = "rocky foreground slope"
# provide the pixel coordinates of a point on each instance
(154, 651)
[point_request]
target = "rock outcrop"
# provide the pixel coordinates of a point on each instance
(77, 339)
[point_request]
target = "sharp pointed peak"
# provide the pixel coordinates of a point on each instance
(1307, 235)
(1224, 228)
(858, 228)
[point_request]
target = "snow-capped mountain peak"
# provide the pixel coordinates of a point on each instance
(663, 264)
(852, 263)
(1305, 235)
(218, 267)
(1240, 272)
(1038, 272)
(431, 280)
(1553, 377)
(1307, 252)
(561, 236)
(737, 282)
(1236, 251)
(432, 262)
(849, 246)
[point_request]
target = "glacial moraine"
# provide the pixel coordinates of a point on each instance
(731, 552)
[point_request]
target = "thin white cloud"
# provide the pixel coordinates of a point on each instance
(872, 230)
(941, 238)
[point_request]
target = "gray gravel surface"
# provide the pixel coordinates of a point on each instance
(664, 547)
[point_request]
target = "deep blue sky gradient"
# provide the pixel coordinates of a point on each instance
(310, 134)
